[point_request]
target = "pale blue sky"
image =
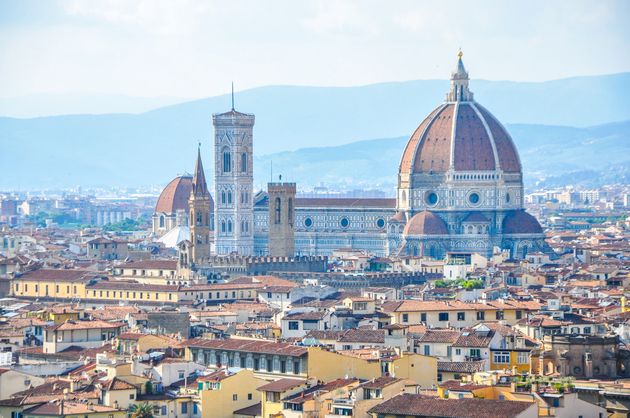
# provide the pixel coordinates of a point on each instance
(150, 48)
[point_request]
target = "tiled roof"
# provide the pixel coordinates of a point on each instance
(426, 406)
(251, 346)
(439, 336)
(175, 195)
(472, 338)
(132, 285)
(250, 411)
(117, 384)
(150, 264)
(521, 222)
(380, 382)
(305, 316)
(460, 366)
(425, 223)
(93, 324)
(58, 275)
(356, 335)
(64, 408)
(281, 385)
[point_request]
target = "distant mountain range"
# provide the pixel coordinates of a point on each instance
(153, 147)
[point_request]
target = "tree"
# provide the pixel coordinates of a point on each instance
(142, 411)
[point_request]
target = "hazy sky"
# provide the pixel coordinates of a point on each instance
(195, 48)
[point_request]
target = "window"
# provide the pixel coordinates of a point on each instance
(499, 315)
(481, 315)
(475, 352)
(587, 330)
(227, 162)
(443, 316)
(235, 397)
(461, 316)
(523, 357)
(294, 325)
(184, 407)
(181, 375)
(423, 317)
(519, 314)
(405, 317)
(380, 223)
(163, 412)
(132, 396)
(473, 198)
(427, 350)
(249, 396)
(308, 222)
(431, 198)
(277, 209)
(458, 351)
(344, 222)
(243, 163)
(501, 357)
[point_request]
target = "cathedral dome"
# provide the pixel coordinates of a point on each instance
(521, 222)
(175, 195)
(425, 223)
(460, 135)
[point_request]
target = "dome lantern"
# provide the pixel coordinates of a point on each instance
(459, 83)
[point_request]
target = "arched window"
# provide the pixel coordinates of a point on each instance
(223, 197)
(229, 198)
(162, 221)
(229, 226)
(223, 226)
(192, 218)
(227, 162)
(290, 212)
(277, 210)
(244, 162)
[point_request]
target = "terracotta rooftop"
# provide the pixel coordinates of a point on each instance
(426, 406)
(252, 346)
(281, 385)
(425, 223)
(150, 264)
(60, 275)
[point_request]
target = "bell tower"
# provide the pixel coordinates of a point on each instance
(199, 204)
(234, 182)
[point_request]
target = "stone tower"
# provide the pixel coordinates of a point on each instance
(234, 182)
(200, 204)
(281, 219)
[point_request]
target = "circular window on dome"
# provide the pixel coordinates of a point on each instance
(507, 198)
(380, 223)
(431, 198)
(344, 222)
(473, 198)
(308, 222)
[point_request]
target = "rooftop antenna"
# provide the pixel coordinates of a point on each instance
(232, 95)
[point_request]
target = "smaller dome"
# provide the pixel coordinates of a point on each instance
(399, 217)
(425, 223)
(521, 222)
(175, 195)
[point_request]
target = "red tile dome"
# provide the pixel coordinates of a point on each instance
(460, 135)
(425, 223)
(175, 195)
(521, 222)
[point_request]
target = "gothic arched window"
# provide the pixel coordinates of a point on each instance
(223, 226)
(227, 162)
(229, 226)
(162, 221)
(244, 162)
(229, 196)
(277, 210)
(199, 215)
(223, 197)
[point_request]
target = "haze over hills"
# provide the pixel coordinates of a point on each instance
(153, 147)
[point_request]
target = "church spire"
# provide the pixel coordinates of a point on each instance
(199, 186)
(459, 83)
